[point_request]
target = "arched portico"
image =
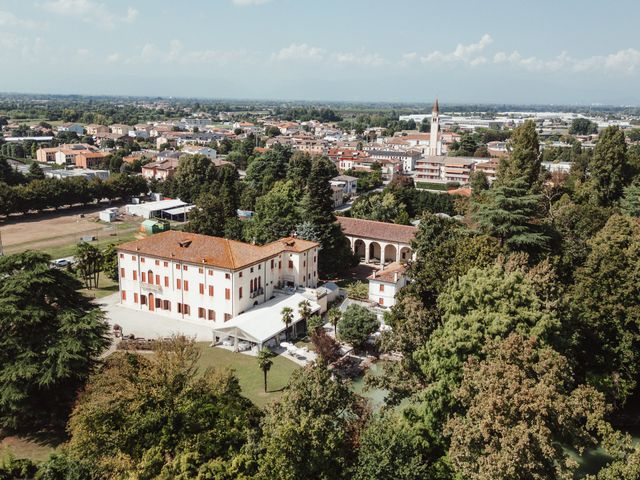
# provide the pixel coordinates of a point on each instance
(360, 249)
(390, 253)
(405, 254)
(374, 252)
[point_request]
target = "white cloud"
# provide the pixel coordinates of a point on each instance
(360, 58)
(622, 61)
(299, 52)
(245, 3)
(114, 58)
(8, 19)
(90, 11)
(469, 54)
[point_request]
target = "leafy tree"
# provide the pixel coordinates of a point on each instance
(110, 262)
(269, 168)
(195, 175)
(524, 159)
(325, 346)
(575, 224)
(520, 409)
(89, 263)
(312, 431)
(207, 217)
(608, 167)
(630, 202)
(583, 126)
(287, 318)
(391, 449)
(276, 213)
(299, 168)
(50, 339)
(508, 212)
(159, 417)
(481, 305)
(356, 325)
(265, 363)
(478, 182)
(605, 310)
(35, 172)
(382, 207)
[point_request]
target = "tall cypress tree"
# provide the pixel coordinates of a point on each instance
(608, 167)
(524, 160)
(317, 206)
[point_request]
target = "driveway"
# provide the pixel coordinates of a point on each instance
(149, 325)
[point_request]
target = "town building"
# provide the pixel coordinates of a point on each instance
(95, 129)
(71, 127)
(161, 169)
(90, 160)
(441, 169)
(120, 129)
(201, 278)
(347, 183)
(198, 150)
(385, 284)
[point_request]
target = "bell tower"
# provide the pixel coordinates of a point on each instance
(435, 145)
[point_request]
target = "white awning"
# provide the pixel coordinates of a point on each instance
(264, 322)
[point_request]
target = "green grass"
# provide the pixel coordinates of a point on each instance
(432, 186)
(35, 449)
(248, 373)
(106, 287)
(69, 249)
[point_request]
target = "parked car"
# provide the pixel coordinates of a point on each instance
(61, 263)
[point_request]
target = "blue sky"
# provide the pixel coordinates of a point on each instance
(561, 51)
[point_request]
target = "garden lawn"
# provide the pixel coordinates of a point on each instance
(250, 376)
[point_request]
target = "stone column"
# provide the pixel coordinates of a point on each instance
(366, 251)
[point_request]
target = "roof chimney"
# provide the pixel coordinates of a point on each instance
(395, 277)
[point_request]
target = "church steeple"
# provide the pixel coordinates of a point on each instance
(435, 146)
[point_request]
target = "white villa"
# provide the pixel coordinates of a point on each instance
(211, 280)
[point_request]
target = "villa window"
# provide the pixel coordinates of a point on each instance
(122, 273)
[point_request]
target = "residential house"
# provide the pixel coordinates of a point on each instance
(347, 183)
(385, 284)
(120, 129)
(95, 129)
(71, 127)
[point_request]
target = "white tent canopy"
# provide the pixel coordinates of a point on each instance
(264, 322)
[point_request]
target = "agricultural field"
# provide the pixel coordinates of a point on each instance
(57, 233)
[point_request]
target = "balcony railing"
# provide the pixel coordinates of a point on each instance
(151, 286)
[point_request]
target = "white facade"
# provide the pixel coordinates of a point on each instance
(207, 293)
(385, 284)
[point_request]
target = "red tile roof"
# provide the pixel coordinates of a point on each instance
(388, 232)
(214, 251)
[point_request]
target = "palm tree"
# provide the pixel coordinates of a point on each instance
(265, 362)
(304, 309)
(287, 318)
(334, 315)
